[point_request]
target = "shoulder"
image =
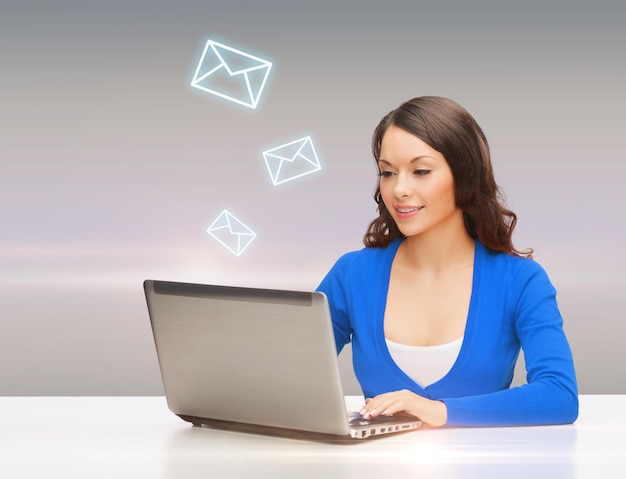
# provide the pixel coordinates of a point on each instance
(363, 263)
(512, 263)
(368, 257)
(512, 270)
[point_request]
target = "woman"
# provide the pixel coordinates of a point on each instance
(439, 302)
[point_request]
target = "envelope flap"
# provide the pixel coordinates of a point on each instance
(221, 222)
(237, 62)
(237, 227)
(287, 151)
(227, 221)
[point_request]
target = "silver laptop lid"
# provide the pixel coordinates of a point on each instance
(248, 355)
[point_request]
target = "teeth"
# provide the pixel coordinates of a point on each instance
(407, 210)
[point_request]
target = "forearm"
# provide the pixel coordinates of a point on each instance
(531, 404)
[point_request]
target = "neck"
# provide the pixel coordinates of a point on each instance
(439, 252)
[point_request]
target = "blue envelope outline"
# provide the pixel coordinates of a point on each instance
(292, 160)
(231, 232)
(231, 74)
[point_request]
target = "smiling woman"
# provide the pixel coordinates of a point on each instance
(440, 302)
(416, 184)
(451, 134)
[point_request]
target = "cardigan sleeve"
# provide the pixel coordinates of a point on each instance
(550, 395)
(334, 287)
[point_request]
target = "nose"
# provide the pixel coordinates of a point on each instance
(402, 187)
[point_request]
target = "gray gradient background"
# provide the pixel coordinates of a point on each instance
(112, 166)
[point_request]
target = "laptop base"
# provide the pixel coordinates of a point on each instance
(368, 430)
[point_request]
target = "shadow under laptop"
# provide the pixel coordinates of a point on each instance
(298, 435)
(201, 452)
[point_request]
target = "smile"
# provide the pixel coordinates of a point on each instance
(406, 211)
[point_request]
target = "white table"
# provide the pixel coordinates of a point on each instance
(117, 437)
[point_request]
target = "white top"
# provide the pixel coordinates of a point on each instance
(425, 364)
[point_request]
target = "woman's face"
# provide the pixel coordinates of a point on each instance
(416, 184)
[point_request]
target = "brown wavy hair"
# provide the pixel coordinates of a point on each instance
(450, 129)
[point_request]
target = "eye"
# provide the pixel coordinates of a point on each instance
(385, 174)
(421, 172)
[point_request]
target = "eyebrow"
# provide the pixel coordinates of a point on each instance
(410, 162)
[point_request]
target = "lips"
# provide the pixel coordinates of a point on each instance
(406, 211)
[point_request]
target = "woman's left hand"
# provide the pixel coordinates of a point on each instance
(428, 411)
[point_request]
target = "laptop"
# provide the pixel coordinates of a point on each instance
(254, 360)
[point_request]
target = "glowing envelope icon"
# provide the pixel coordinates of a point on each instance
(292, 160)
(231, 74)
(231, 232)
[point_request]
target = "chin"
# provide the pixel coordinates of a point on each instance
(410, 233)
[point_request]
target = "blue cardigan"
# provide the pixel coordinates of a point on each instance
(513, 305)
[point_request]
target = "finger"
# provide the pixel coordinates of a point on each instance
(371, 408)
(391, 409)
(377, 406)
(391, 404)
